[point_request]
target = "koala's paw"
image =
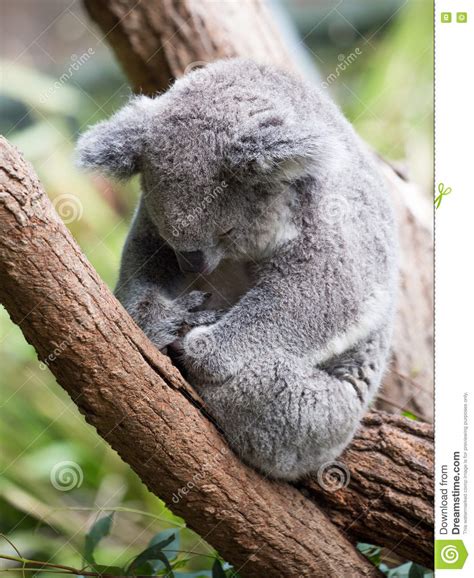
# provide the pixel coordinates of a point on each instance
(354, 371)
(201, 357)
(197, 318)
(190, 301)
(177, 314)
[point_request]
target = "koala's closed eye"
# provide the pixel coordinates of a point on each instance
(227, 233)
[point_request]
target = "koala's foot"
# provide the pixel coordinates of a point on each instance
(355, 372)
(165, 323)
(205, 360)
(361, 367)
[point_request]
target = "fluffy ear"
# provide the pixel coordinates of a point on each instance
(285, 147)
(114, 146)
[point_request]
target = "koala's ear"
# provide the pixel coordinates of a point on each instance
(285, 147)
(114, 146)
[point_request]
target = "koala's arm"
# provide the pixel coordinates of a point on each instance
(287, 312)
(151, 285)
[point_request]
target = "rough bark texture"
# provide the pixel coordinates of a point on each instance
(142, 406)
(391, 490)
(157, 41)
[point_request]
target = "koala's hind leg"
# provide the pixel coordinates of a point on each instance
(291, 419)
(362, 366)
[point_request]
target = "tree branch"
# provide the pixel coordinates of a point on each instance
(389, 500)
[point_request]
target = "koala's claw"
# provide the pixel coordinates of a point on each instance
(208, 317)
(354, 372)
(191, 301)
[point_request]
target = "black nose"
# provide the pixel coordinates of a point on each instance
(192, 261)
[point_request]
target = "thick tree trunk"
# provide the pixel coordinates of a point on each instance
(142, 406)
(158, 40)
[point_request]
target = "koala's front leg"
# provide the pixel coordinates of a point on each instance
(151, 286)
(163, 320)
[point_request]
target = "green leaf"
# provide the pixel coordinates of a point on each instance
(400, 571)
(410, 415)
(217, 570)
(154, 553)
(371, 552)
(417, 571)
(143, 570)
(172, 548)
(99, 530)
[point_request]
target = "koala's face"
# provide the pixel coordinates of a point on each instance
(217, 155)
(204, 208)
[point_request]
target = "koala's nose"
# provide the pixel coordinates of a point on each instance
(192, 261)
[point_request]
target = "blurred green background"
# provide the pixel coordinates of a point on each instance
(57, 78)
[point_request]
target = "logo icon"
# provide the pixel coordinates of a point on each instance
(450, 554)
(442, 192)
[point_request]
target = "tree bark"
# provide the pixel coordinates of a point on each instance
(389, 499)
(142, 406)
(157, 41)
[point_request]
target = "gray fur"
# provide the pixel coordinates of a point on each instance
(263, 175)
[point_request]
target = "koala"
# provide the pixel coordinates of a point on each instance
(262, 255)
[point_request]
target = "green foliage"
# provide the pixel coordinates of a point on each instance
(162, 557)
(406, 570)
(154, 553)
(387, 92)
(99, 530)
(410, 415)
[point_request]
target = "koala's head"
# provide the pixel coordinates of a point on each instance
(219, 155)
